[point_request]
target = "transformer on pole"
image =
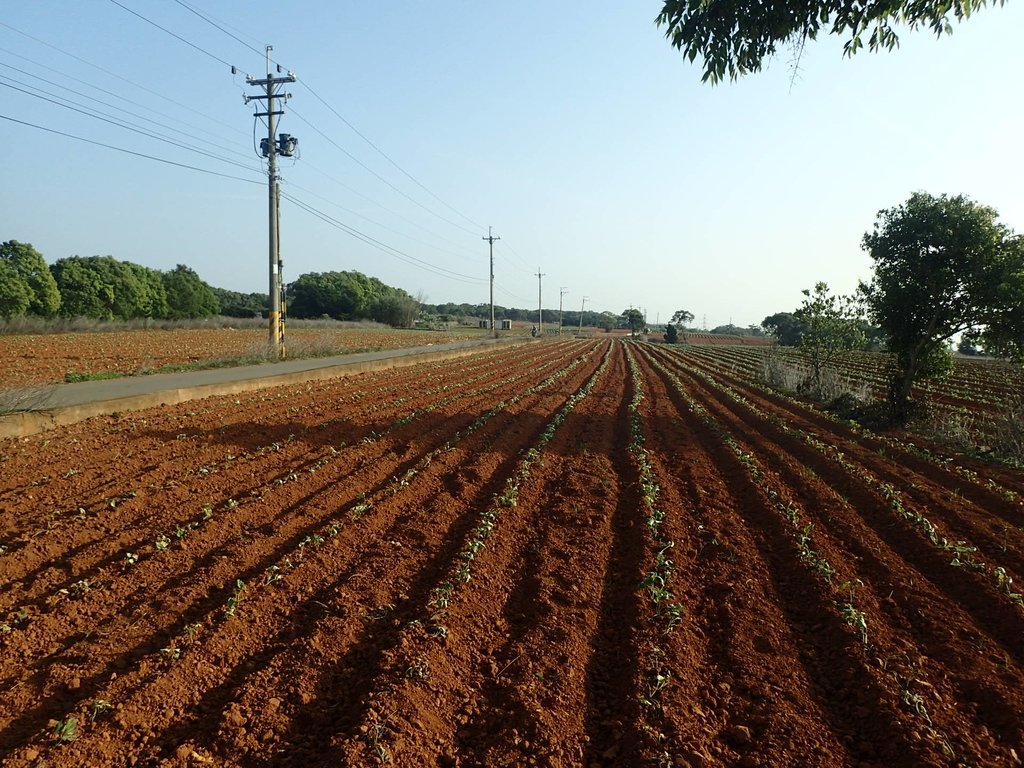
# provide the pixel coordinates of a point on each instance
(271, 147)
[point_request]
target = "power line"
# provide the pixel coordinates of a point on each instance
(108, 92)
(377, 223)
(514, 296)
(120, 77)
(387, 157)
(325, 103)
(318, 97)
(100, 101)
(119, 124)
(209, 20)
(383, 207)
(380, 178)
(381, 246)
(172, 34)
(130, 152)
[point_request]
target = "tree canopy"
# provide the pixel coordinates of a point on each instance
(15, 295)
(785, 327)
(634, 320)
(681, 317)
(830, 326)
(187, 295)
(106, 288)
(734, 38)
(30, 266)
(351, 296)
(942, 266)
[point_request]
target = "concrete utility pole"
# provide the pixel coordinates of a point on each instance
(581, 313)
(272, 147)
(540, 311)
(490, 239)
(562, 290)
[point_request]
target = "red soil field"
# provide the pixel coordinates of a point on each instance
(38, 359)
(574, 553)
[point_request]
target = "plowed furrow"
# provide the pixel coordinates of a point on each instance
(857, 700)
(239, 560)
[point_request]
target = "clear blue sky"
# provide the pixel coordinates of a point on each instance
(575, 130)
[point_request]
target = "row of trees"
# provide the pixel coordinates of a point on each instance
(106, 288)
(943, 266)
(97, 286)
(570, 318)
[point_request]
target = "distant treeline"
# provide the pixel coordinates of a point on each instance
(106, 288)
(455, 312)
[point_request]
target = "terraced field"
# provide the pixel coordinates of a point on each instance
(579, 553)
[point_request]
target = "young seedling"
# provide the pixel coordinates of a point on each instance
(417, 670)
(162, 543)
(99, 708)
(65, 731)
(79, 588)
(171, 652)
(236, 597)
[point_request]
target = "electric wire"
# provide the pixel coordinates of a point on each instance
(104, 103)
(381, 246)
(387, 157)
(379, 224)
(129, 151)
(504, 246)
(119, 124)
(172, 34)
(377, 203)
(211, 22)
(377, 176)
(512, 295)
(105, 71)
(115, 95)
(351, 127)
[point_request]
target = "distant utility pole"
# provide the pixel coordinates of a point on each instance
(490, 239)
(581, 313)
(540, 312)
(562, 290)
(272, 147)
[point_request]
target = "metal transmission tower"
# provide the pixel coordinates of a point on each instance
(581, 313)
(562, 290)
(490, 239)
(540, 312)
(272, 146)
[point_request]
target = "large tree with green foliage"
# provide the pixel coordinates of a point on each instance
(106, 288)
(634, 320)
(734, 38)
(26, 261)
(942, 266)
(236, 304)
(831, 326)
(785, 327)
(187, 295)
(340, 295)
(680, 318)
(83, 290)
(15, 294)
